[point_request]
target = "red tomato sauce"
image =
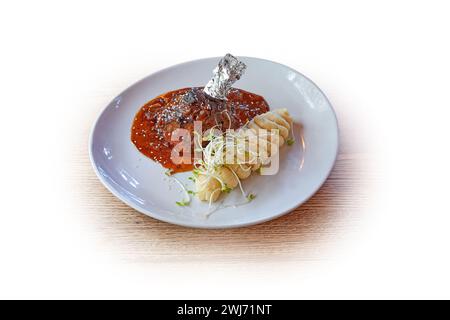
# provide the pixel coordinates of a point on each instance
(157, 119)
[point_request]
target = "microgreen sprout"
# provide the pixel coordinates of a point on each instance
(183, 203)
(290, 142)
(226, 189)
(241, 146)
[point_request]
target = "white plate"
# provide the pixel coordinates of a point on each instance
(142, 184)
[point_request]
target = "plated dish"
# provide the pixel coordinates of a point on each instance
(216, 156)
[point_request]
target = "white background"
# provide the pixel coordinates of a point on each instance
(385, 62)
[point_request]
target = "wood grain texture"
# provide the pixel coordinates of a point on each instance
(304, 234)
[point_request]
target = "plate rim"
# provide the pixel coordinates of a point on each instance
(193, 225)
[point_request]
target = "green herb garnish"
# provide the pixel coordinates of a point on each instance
(290, 142)
(226, 189)
(183, 203)
(251, 197)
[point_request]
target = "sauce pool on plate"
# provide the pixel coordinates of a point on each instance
(157, 119)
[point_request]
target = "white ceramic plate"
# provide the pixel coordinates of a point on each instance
(142, 184)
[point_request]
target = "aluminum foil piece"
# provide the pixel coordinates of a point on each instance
(229, 70)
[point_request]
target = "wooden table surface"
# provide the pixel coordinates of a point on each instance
(330, 215)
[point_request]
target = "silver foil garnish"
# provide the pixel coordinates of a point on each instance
(229, 70)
